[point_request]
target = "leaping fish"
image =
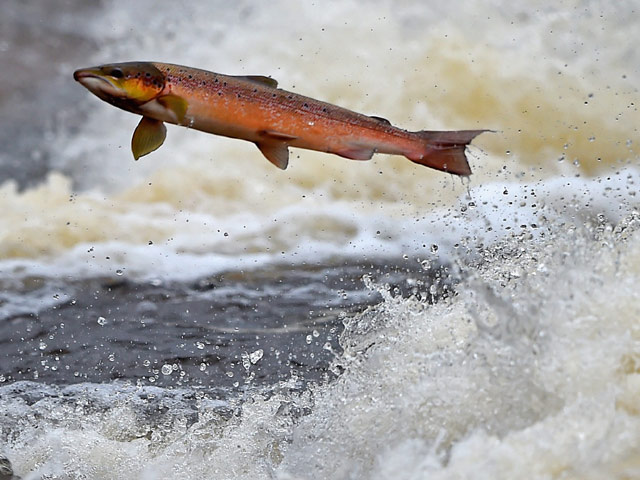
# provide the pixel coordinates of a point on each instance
(253, 108)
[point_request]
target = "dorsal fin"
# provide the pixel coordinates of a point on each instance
(260, 79)
(380, 119)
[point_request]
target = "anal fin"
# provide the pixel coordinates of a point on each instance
(355, 152)
(147, 137)
(276, 152)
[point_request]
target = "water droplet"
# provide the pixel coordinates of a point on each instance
(592, 139)
(256, 356)
(199, 345)
(119, 272)
(146, 363)
(42, 345)
(229, 374)
(246, 363)
(315, 333)
(434, 248)
(167, 369)
(309, 339)
(112, 357)
(102, 320)
(203, 367)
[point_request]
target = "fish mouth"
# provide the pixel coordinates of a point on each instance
(87, 74)
(96, 82)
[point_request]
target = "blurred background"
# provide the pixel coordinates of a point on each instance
(202, 314)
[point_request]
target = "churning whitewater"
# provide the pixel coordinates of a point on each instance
(200, 314)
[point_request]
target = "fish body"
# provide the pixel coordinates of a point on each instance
(252, 108)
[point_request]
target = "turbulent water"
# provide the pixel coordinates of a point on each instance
(201, 314)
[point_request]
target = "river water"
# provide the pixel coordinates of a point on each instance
(201, 314)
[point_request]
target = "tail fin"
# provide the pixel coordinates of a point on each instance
(446, 150)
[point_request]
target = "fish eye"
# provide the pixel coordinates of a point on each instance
(116, 73)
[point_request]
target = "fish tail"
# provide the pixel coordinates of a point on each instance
(445, 150)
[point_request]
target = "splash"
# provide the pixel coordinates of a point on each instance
(532, 367)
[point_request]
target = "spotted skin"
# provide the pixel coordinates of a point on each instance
(254, 109)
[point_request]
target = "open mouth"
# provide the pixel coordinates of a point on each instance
(84, 75)
(95, 82)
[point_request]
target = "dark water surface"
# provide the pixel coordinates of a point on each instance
(283, 321)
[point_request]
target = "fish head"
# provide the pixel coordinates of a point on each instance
(123, 84)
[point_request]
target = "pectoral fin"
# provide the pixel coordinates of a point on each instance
(276, 152)
(176, 104)
(147, 137)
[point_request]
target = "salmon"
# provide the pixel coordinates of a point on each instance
(253, 108)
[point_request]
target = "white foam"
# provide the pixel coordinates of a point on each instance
(527, 372)
(186, 246)
(416, 64)
(531, 370)
(532, 367)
